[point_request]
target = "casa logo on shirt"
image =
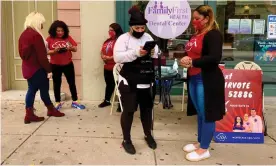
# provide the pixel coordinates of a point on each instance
(60, 44)
(109, 44)
(190, 45)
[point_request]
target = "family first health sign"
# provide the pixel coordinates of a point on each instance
(168, 19)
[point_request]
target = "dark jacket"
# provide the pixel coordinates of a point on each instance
(139, 71)
(32, 51)
(212, 76)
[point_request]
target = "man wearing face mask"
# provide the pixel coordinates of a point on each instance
(136, 78)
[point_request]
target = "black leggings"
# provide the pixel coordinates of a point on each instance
(69, 73)
(130, 102)
(110, 84)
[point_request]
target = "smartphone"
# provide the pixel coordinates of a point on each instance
(149, 45)
(61, 50)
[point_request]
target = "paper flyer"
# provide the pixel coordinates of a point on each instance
(271, 27)
(245, 26)
(259, 26)
(233, 26)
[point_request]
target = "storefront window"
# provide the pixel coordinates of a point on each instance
(244, 27)
(242, 23)
(247, 34)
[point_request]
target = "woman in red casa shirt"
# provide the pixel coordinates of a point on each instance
(35, 66)
(205, 80)
(114, 32)
(61, 45)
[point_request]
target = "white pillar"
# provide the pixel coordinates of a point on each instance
(96, 16)
(1, 49)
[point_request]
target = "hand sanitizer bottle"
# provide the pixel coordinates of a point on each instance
(185, 71)
(175, 65)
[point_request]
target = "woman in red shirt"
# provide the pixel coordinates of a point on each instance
(35, 66)
(205, 80)
(114, 32)
(61, 45)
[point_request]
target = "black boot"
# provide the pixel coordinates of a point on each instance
(128, 146)
(151, 142)
(105, 103)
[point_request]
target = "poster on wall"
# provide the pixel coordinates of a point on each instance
(243, 121)
(168, 19)
(265, 51)
(258, 26)
(245, 26)
(233, 26)
(271, 27)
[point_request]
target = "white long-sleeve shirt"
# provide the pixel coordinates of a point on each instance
(127, 49)
(256, 123)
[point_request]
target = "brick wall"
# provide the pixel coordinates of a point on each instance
(69, 12)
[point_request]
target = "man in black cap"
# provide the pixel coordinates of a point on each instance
(136, 78)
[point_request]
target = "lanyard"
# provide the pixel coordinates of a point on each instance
(108, 46)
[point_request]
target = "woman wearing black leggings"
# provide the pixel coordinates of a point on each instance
(114, 32)
(136, 78)
(61, 45)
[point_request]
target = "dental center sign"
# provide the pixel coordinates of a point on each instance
(168, 19)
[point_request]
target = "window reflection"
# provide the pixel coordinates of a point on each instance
(241, 46)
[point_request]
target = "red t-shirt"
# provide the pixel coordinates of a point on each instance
(107, 49)
(194, 50)
(60, 58)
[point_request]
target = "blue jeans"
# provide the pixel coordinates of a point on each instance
(38, 81)
(205, 129)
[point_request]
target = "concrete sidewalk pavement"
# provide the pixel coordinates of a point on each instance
(92, 136)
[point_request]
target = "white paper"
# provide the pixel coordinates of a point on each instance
(245, 26)
(233, 26)
(259, 26)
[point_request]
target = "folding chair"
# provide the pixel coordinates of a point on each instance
(248, 65)
(183, 95)
(116, 70)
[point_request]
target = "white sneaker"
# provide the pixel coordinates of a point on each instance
(189, 148)
(193, 156)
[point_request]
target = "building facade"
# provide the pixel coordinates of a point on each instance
(88, 22)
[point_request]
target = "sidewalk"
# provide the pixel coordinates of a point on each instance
(93, 136)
